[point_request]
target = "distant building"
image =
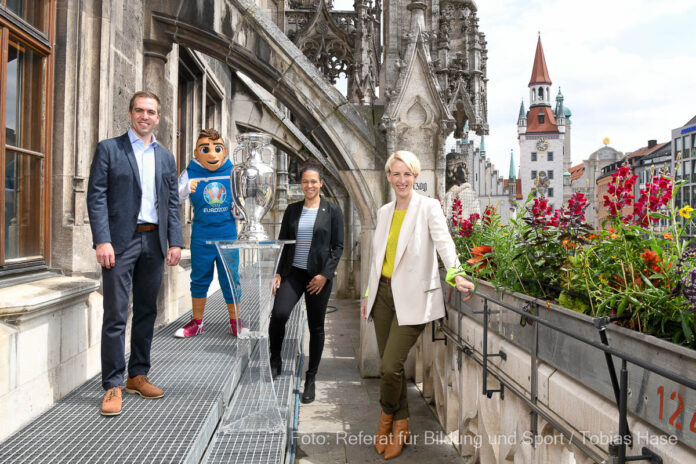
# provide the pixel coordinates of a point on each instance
(684, 146)
(544, 137)
(583, 178)
(469, 164)
(650, 158)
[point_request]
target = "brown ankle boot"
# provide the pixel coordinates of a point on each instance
(401, 437)
(383, 432)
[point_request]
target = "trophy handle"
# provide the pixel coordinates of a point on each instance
(267, 155)
(238, 148)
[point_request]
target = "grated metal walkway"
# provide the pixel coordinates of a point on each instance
(198, 376)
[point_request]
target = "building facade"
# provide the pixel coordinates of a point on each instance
(544, 137)
(645, 162)
(68, 70)
(684, 167)
(583, 178)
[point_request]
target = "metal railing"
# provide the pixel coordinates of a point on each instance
(617, 449)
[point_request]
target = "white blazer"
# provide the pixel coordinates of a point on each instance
(415, 282)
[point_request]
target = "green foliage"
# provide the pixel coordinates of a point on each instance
(626, 269)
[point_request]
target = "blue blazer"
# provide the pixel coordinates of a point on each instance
(114, 195)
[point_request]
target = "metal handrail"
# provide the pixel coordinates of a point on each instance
(599, 322)
(617, 451)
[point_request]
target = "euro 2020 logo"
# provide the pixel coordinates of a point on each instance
(215, 193)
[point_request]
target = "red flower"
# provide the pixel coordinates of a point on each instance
(620, 190)
(488, 214)
(656, 195)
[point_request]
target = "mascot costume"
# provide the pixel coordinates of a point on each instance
(206, 181)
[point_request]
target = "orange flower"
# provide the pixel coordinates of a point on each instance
(592, 236)
(480, 259)
(568, 245)
(613, 236)
(668, 236)
(650, 256)
(611, 229)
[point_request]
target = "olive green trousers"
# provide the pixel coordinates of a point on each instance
(394, 341)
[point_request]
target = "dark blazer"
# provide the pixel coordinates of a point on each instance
(114, 195)
(327, 239)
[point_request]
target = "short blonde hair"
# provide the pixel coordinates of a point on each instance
(406, 157)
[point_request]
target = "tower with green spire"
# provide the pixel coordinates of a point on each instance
(511, 175)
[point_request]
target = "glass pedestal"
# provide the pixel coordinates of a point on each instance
(251, 267)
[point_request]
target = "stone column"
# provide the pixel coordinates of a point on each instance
(155, 79)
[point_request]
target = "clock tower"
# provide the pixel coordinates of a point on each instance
(541, 133)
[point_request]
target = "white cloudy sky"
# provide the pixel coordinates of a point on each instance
(627, 68)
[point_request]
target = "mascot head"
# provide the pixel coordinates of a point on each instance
(210, 149)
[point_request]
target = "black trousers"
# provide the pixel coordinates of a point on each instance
(288, 294)
(140, 266)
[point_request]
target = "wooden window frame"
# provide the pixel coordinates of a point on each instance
(40, 43)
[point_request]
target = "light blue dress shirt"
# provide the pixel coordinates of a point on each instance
(145, 157)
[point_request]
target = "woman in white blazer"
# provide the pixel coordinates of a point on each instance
(404, 292)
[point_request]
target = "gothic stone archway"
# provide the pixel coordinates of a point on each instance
(240, 35)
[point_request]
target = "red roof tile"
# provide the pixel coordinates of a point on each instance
(576, 171)
(540, 74)
(645, 150)
(533, 125)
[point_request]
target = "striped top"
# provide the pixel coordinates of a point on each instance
(303, 240)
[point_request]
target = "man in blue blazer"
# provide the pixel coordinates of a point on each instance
(133, 208)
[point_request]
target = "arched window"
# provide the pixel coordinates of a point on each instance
(541, 93)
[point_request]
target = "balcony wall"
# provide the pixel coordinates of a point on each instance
(573, 387)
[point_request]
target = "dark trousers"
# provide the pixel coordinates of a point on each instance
(140, 265)
(288, 294)
(394, 341)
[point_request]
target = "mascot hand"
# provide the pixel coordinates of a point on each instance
(193, 184)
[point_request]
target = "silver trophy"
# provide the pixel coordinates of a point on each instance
(253, 182)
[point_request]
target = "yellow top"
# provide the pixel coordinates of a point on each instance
(392, 241)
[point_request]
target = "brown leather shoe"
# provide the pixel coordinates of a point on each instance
(142, 386)
(111, 406)
(383, 432)
(401, 438)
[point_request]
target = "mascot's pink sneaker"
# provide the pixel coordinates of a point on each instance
(191, 329)
(237, 327)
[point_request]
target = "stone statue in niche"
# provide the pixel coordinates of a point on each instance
(468, 198)
(456, 172)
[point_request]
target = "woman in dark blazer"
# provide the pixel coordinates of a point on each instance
(308, 268)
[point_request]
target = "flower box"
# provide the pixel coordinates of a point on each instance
(663, 403)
